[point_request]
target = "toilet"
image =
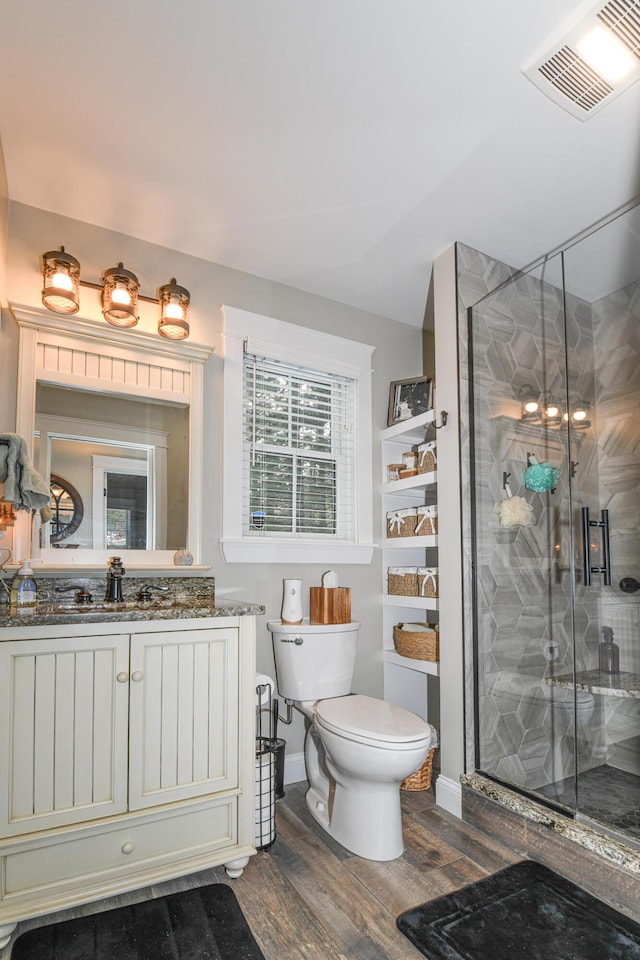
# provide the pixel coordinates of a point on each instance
(358, 749)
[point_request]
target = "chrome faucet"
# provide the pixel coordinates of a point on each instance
(115, 573)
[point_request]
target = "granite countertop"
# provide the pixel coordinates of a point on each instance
(45, 614)
(185, 598)
(622, 684)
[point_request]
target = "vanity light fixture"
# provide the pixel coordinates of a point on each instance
(174, 307)
(120, 295)
(61, 279)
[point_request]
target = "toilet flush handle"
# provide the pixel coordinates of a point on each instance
(297, 640)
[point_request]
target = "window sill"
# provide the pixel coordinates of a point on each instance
(263, 550)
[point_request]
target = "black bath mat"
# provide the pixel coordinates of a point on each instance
(201, 924)
(525, 911)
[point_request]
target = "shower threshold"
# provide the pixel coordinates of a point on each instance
(598, 840)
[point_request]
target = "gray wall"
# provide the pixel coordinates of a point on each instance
(398, 354)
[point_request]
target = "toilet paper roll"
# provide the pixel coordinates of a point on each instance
(267, 689)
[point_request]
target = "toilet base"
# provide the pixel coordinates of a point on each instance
(374, 836)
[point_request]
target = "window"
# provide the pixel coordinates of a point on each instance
(297, 444)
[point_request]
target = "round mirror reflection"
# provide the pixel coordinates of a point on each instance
(66, 508)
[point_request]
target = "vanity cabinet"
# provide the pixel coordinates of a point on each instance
(127, 757)
(407, 682)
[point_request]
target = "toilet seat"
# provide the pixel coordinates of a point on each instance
(371, 721)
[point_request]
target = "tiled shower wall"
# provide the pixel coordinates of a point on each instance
(525, 579)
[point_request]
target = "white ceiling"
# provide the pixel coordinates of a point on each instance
(334, 145)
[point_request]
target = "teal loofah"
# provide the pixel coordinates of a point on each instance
(540, 477)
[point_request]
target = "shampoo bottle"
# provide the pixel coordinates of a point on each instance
(609, 652)
(23, 587)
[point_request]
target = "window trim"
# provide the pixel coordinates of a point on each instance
(315, 350)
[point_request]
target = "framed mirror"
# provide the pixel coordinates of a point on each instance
(118, 415)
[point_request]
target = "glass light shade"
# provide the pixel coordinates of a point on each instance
(530, 406)
(174, 308)
(120, 297)
(61, 281)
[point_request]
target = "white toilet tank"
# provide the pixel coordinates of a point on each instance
(314, 661)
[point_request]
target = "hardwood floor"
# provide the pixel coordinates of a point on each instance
(308, 898)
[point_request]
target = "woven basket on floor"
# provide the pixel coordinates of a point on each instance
(421, 779)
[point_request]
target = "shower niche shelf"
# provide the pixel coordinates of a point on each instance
(406, 681)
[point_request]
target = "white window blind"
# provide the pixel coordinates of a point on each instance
(299, 452)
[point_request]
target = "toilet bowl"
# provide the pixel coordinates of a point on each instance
(358, 749)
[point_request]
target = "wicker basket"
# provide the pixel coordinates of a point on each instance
(427, 524)
(403, 581)
(428, 581)
(427, 457)
(421, 779)
(402, 523)
(417, 644)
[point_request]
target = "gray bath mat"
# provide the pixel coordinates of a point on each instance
(523, 911)
(201, 924)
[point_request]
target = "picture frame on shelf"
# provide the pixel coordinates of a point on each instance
(408, 398)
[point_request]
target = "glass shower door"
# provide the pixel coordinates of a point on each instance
(602, 279)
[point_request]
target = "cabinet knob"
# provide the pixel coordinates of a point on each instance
(137, 676)
(127, 847)
(122, 677)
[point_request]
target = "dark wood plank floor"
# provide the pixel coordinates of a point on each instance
(307, 898)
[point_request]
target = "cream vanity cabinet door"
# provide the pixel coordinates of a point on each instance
(63, 751)
(183, 739)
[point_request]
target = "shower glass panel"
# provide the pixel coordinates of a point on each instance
(554, 371)
(522, 536)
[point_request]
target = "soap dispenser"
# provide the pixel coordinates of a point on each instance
(23, 586)
(609, 652)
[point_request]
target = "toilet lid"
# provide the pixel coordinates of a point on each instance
(371, 719)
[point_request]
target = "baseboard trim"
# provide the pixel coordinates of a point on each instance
(294, 768)
(449, 795)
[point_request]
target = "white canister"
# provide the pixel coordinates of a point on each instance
(292, 602)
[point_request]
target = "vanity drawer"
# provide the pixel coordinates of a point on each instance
(120, 848)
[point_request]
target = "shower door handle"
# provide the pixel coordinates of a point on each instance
(605, 569)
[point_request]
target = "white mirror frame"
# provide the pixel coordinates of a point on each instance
(90, 355)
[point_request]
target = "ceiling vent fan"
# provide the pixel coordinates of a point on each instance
(589, 63)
